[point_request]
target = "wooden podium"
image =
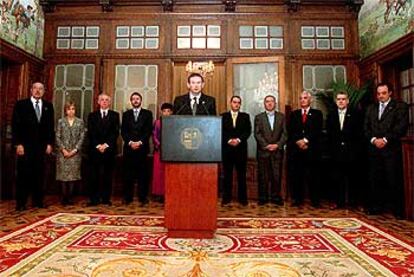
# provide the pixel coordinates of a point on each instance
(191, 148)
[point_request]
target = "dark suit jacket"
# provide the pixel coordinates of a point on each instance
(103, 131)
(264, 135)
(26, 130)
(311, 130)
(206, 105)
(242, 131)
(393, 124)
(345, 144)
(136, 131)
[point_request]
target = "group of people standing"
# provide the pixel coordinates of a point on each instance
(300, 135)
(350, 135)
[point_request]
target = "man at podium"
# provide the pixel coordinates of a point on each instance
(195, 102)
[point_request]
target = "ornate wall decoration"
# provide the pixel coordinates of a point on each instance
(22, 24)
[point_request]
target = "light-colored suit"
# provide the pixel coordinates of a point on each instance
(270, 162)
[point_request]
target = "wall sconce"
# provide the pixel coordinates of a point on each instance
(205, 69)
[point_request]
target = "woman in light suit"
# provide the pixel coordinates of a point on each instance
(69, 139)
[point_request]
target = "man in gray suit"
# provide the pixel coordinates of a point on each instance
(271, 135)
(385, 123)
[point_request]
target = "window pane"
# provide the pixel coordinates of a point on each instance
(340, 75)
(213, 43)
(276, 31)
(152, 77)
(246, 31)
(59, 76)
(323, 77)
(89, 72)
(87, 104)
(136, 76)
(74, 75)
(307, 77)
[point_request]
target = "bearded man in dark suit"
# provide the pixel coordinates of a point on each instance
(136, 131)
(344, 131)
(103, 131)
(33, 137)
(236, 129)
(271, 135)
(304, 150)
(195, 102)
(386, 122)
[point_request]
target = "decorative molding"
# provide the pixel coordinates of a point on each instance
(230, 5)
(293, 5)
(354, 6)
(48, 6)
(168, 5)
(106, 5)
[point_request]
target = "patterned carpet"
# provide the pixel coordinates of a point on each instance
(69, 244)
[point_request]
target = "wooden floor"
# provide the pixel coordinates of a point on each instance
(11, 220)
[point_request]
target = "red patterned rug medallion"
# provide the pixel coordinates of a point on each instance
(115, 245)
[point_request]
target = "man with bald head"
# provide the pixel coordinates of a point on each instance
(33, 136)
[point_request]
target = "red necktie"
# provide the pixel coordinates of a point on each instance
(304, 116)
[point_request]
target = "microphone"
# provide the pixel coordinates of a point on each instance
(205, 109)
(181, 108)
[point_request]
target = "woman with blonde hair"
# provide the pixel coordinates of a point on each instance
(70, 133)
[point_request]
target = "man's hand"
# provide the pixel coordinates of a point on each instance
(234, 142)
(102, 147)
(135, 145)
(302, 144)
(49, 149)
(272, 147)
(380, 143)
(20, 150)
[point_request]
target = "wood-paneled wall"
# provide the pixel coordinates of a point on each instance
(18, 70)
(172, 59)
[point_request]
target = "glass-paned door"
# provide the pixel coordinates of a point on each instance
(136, 78)
(253, 81)
(73, 82)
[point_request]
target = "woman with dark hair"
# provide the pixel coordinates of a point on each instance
(69, 139)
(158, 180)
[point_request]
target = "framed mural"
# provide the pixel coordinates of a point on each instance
(384, 21)
(22, 24)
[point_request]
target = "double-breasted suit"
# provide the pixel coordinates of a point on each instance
(385, 174)
(305, 163)
(206, 105)
(34, 135)
(135, 161)
(345, 151)
(270, 162)
(235, 156)
(102, 130)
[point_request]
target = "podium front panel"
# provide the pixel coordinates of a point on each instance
(191, 138)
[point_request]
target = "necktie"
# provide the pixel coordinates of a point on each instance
(103, 114)
(37, 109)
(135, 115)
(234, 117)
(195, 105)
(381, 110)
(304, 116)
(341, 119)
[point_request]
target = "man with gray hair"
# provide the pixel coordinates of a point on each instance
(304, 150)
